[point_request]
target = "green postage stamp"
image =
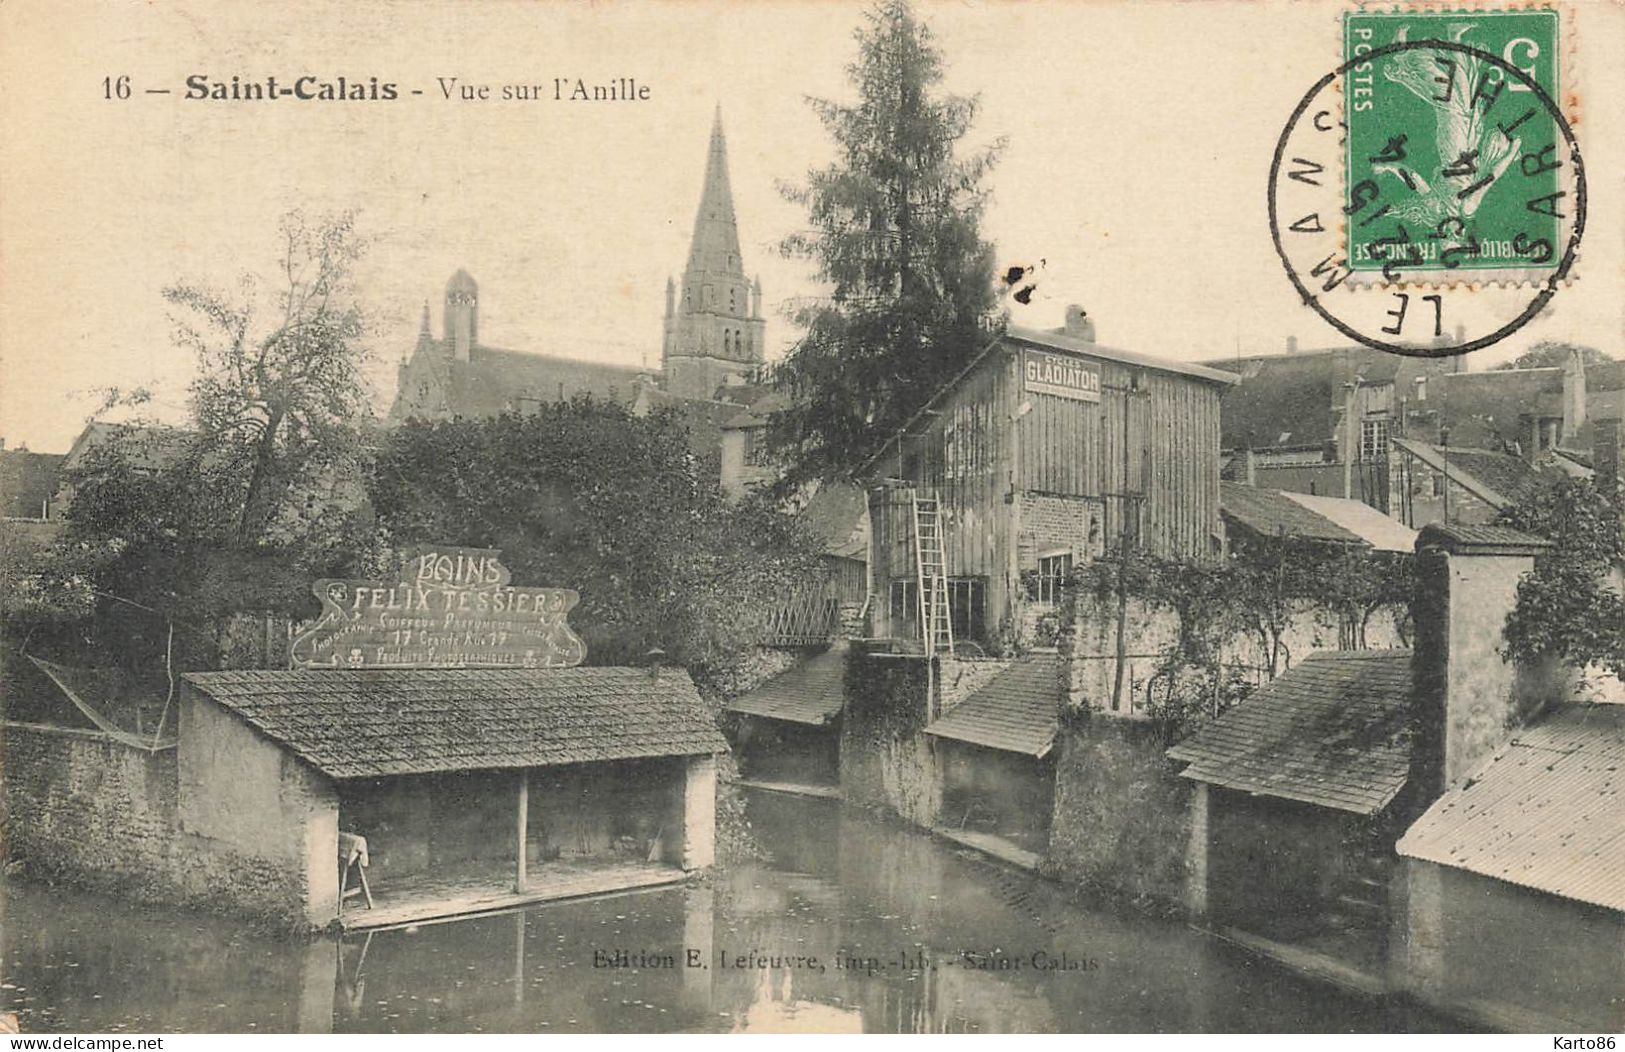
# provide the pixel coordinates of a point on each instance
(1458, 158)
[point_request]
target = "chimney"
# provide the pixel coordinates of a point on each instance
(1574, 395)
(1079, 325)
(1351, 435)
(1605, 450)
(1465, 696)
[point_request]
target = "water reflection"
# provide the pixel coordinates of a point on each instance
(854, 926)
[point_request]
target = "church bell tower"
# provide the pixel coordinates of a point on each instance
(714, 327)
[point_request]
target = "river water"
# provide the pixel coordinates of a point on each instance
(853, 926)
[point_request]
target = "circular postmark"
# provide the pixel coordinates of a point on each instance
(1427, 241)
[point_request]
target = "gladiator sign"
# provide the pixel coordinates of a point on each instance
(452, 608)
(1059, 375)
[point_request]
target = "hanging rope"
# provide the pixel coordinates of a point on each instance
(102, 723)
(169, 670)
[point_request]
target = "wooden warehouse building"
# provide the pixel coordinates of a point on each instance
(1046, 450)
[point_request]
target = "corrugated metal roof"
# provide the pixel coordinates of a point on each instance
(1330, 732)
(811, 692)
(355, 723)
(1271, 513)
(1015, 711)
(1544, 812)
(1362, 520)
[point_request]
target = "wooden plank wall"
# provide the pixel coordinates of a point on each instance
(1151, 443)
(1152, 439)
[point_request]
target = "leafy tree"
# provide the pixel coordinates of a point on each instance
(184, 527)
(1567, 608)
(278, 391)
(1550, 353)
(587, 496)
(894, 234)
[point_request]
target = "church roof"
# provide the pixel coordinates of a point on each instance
(716, 231)
(494, 381)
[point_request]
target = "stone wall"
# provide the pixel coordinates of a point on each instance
(88, 810)
(1508, 956)
(241, 791)
(1122, 815)
(80, 802)
(887, 761)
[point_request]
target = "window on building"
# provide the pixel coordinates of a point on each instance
(1374, 439)
(967, 599)
(1053, 571)
(905, 601)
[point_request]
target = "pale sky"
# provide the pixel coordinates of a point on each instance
(1139, 141)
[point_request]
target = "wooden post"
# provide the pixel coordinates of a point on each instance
(523, 827)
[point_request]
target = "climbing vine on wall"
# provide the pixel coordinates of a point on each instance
(1258, 590)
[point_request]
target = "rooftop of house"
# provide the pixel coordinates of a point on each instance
(1018, 710)
(1273, 513)
(1331, 731)
(368, 723)
(28, 480)
(1060, 341)
(811, 692)
(1384, 534)
(143, 446)
(1544, 812)
(835, 517)
(704, 417)
(1291, 400)
(1498, 479)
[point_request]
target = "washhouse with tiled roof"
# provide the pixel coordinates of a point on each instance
(438, 749)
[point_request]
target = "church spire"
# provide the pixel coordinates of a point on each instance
(714, 332)
(716, 232)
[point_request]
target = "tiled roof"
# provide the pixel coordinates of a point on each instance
(1502, 539)
(1498, 479)
(1545, 812)
(811, 692)
(1504, 473)
(1015, 711)
(1272, 513)
(1329, 732)
(1361, 519)
(366, 723)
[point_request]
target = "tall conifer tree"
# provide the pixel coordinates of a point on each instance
(895, 234)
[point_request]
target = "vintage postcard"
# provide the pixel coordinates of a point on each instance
(884, 516)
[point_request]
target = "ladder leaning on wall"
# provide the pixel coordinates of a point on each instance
(936, 624)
